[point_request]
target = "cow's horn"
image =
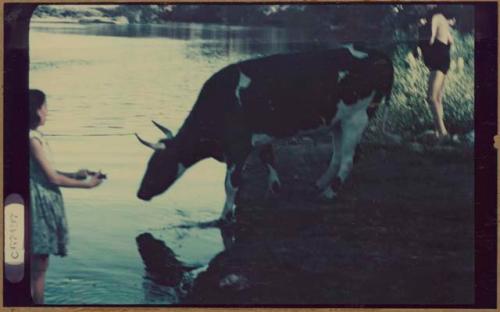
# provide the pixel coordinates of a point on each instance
(167, 132)
(156, 146)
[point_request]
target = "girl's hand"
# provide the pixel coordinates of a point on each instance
(99, 174)
(82, 174)
(94, 181)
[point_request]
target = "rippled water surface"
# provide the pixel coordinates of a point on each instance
(104, 83)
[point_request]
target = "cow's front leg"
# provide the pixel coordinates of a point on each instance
(333, 167)
(352, 130)
(231, 184)
(267, 157)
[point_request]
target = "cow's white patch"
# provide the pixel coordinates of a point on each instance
(261, 139)
(356, 53)
(342, 74)
(243, 83)
(353, 120)
(180, 169)
(273, 178)
(230, 194)
(345, 111)
(352, 130)
(197, 271)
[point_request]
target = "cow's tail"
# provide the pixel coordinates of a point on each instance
(386, 111)
(388, 93)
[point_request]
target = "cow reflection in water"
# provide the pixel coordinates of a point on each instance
(167, 278)
(247, 105)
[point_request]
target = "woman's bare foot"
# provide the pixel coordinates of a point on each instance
(449, 139)
(442, 134)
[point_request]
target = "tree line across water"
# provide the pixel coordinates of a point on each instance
(386, 17)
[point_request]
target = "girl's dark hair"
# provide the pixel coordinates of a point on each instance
(437, 10)
(37, 98)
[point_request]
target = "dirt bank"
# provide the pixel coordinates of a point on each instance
(400, 232)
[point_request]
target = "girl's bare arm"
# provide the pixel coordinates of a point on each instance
(54, 176)
(79, 175)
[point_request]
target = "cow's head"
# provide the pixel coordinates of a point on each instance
(163, 167)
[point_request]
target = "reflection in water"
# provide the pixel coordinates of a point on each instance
(155, 293)
(168, 279)
(182, 31)
(216, 40)
(227, 230)
(161, 261)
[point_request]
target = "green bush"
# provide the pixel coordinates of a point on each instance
(409, 112)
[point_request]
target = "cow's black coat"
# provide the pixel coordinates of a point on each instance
(287, 93)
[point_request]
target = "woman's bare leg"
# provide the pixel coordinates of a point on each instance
(434, 95)
(39, 265)
(440, 98)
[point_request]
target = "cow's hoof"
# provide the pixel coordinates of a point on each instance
(328, 194)
(336, 183)
(235, 282)
(318, 187)
(274, 188)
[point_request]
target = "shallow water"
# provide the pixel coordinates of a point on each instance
(104, 83)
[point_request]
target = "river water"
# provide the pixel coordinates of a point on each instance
(104, 83)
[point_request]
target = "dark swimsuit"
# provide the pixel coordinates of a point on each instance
(436, 56)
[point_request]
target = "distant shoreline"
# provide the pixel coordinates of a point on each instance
(53, 20)
(87, 20)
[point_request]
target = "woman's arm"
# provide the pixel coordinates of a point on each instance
(434, 27)
(52, 175)
(450, 37)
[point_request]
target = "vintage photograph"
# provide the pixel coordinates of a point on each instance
(251, 154)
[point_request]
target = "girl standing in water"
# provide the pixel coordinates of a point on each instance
(49, 230)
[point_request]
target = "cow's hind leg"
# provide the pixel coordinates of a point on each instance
(352, 130)
(334, 165)
(267, 157)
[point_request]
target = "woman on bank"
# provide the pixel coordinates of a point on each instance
(435, 41)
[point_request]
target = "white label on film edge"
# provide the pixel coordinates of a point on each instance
(14, 233)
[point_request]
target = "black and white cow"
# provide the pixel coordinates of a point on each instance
(247, 105)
